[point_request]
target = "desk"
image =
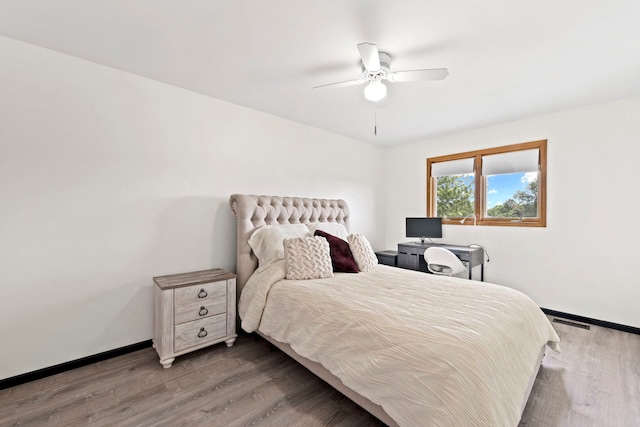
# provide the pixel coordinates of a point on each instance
(411, 256)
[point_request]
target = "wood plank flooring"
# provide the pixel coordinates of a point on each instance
(595, 381)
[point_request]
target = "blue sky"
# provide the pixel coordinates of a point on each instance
(502, 187)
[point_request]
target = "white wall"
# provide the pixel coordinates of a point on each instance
(585, 261)
(108, 179)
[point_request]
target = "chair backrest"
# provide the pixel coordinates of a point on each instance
(443, 261)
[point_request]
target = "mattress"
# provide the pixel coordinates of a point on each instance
(430, 350)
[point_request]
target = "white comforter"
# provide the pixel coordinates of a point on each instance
(431, 350)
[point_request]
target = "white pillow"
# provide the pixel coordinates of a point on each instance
(267, 240)
(333, 228)
(308, 258)
(362, 252)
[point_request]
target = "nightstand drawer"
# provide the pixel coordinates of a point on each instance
(202, 292)
(199, 332)
(206, 307)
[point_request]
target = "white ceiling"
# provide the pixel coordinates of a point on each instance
(507, 59)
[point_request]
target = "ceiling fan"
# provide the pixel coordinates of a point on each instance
(376, 67)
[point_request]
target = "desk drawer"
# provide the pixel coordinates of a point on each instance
(408, 250)
(409, 261)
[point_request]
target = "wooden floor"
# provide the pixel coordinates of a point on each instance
(594, 382)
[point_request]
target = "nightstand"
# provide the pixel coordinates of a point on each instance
(192, 311)
(388, 258)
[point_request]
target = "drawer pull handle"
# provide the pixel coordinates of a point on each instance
(202, 293)
(203, 311)
(202, 333)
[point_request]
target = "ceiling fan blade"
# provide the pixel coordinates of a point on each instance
(370, 56)
(342, 84)
(419, 75)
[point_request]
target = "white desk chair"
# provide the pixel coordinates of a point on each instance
(443, 261)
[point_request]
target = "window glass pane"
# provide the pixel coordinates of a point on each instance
(512, 195)
(455, 195)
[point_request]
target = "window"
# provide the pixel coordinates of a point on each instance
(497, 186)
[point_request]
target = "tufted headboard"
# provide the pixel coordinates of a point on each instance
(254, 211)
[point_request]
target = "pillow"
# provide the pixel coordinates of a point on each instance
(362, 252)
(341, 256)
(307, 258)
(333, 228)
(266, 241)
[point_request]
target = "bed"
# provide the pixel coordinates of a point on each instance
(411, 348)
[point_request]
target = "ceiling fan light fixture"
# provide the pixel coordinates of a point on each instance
(375, 91)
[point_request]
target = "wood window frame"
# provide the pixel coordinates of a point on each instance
(480, 187)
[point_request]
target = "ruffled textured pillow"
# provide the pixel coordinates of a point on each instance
(341, 256)
(307, 258)
(362, 252)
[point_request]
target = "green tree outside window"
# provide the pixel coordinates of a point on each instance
(523, 204)
(455, 195)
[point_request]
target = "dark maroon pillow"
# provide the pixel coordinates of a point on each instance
(341, 257)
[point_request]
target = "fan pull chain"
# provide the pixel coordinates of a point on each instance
(375, 119)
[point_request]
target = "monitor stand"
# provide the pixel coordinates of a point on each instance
(426, 241)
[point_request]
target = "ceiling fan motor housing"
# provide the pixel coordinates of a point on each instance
(385, 66)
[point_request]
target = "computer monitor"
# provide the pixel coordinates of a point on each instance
(424, 228)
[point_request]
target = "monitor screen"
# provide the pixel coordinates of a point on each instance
(424, 228)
